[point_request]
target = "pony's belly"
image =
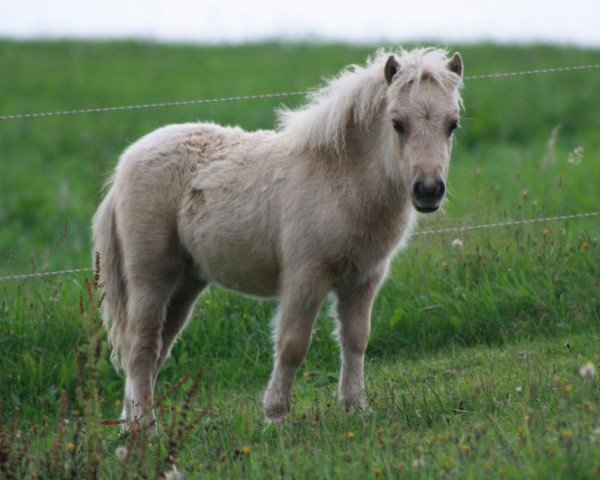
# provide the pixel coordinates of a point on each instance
(242, 268)
(257, 282)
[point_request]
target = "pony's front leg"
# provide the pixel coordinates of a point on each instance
(354, 315)
(300, 302)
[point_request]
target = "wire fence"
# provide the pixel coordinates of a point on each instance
(263, 96)
(459, 229)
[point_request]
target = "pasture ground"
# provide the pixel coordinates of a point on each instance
(474, 361)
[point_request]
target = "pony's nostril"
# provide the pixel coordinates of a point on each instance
(433, 190)
(418, 189)
(441, 188)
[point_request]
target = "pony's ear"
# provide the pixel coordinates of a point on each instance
(456, 64)
(391, 69)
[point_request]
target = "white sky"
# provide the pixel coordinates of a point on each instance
(234, 21)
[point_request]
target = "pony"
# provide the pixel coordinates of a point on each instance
(317, 206)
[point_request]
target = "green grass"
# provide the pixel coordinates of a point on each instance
(474, 354)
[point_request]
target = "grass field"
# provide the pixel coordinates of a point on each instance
(474, 361)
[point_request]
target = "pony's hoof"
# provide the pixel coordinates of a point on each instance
(276, 422)
(356, 405)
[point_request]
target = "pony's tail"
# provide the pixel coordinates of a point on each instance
(109, 264)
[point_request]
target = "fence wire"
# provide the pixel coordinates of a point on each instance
(459, 229)
(262, 96)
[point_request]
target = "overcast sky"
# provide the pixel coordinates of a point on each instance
(234, 21)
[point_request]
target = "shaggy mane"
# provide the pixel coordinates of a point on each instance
(355, 96)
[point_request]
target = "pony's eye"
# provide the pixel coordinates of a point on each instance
(399, 126)
(453, 126)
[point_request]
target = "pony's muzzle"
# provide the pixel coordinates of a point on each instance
(427, 194)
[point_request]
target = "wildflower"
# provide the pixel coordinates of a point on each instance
(575, 156)
(377, 472)
(175, 474)
(118, 404)
(525, 193)
(545, 232)
(444, 266)
(70, 446)
(457, 243)
(418, 463)
(246, 450)
(464, 448)
(351, 435)
(568, 436)
(306, 375)
(519, 389)
(121, 452)
(587, 370)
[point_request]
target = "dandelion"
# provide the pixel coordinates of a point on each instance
(457, 243)
(118, 404)
(121, 452)
(70, 446)
(246, 450)
(587, 370)
(306, 375)
(545, 232)
(351, 435)
(377, 472)
(418, 463)
(175, 474)
(568, 436)
(525, 193)
(575, 156)
(519, 389)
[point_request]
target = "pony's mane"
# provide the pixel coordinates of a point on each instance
(355, 95)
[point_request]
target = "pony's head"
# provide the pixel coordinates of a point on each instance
(423, 107)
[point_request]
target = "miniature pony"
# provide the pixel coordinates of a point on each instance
(320, 205)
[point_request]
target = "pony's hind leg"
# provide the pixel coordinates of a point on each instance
(354, 315)
(152, 274)
(178, 312)
(146, 316)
